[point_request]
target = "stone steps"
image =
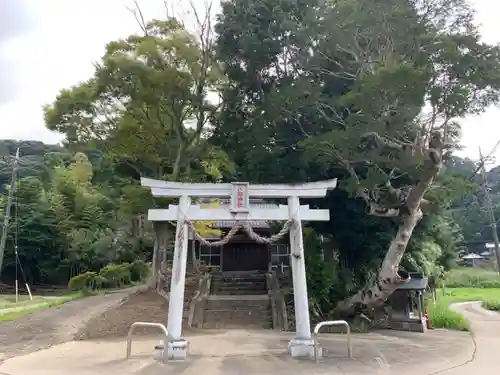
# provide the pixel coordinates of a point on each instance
(235, 290)
(238, 302)
(238, 313)
(249, 285)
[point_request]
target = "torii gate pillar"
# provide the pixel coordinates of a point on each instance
(302, 345)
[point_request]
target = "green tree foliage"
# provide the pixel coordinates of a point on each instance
(32, 158)
(469, 209)
(66, 225)
(148, 102)
(86, 282)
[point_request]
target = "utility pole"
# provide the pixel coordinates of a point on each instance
(6, 219)
(489, 209)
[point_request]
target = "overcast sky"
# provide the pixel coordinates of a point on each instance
(51, 44)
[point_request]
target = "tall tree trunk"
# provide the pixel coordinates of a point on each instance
(390, 277)
(153, 282)
(157, 281)
(179, 160)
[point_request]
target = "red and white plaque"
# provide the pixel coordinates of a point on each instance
(239, 197)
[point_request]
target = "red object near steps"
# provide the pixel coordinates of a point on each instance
(427, 320)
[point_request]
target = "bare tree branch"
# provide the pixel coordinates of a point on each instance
(139, 17)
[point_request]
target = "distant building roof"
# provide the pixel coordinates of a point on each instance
(472, 256)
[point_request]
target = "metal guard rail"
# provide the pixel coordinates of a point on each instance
(143, 324)
(331, 323)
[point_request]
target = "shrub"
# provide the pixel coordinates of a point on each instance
(139, 270)
(116, 276)
(86, 282)
(472, 278)
(493, 305)
(441, 316)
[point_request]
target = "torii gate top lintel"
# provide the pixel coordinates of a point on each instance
(161, 188)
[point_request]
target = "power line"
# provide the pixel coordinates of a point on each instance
(16, 243)
(489, 210)
(5, 228)
(482, 161)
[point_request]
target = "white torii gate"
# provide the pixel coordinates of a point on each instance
(240, 192)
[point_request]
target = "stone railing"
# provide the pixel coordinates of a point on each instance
(199, 301)
(277, 299)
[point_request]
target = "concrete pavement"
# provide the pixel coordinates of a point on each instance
(264, 352)
(255, 352)
(486, 335)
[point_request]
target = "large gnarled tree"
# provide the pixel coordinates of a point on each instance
(373, 88)
(414, 80)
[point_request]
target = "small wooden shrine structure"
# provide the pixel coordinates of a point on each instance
(406, 305)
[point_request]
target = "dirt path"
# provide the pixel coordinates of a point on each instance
(52, 326)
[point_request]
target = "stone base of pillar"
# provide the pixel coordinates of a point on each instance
(302, 348)
(177, 350)
(159, 354)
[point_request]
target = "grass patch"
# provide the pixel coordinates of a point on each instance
(17, 311)
(472, 278)
(493, 305)
(469, 284)
(9, 300)
(468, 294)
(441, 316)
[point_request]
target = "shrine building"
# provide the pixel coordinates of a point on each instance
(242, 254)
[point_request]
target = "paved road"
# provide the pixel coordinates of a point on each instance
(486, 334)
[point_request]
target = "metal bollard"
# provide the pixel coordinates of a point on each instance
(331, 323)
(144, 324)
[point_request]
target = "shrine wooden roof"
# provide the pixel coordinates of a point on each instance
(416, 283)
(258, 203)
